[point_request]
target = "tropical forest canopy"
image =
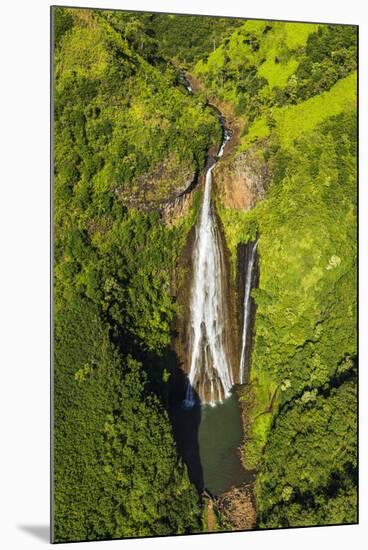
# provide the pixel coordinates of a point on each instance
(129, 139)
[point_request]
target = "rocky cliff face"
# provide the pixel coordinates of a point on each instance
(177, 208)
(178, 204)
(166, 183)
(241, 180)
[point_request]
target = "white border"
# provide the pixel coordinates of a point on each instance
(24, 230)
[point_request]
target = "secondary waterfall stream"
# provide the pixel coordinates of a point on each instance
(210, 376)
(249, 282)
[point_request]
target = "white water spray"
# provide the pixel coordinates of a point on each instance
(210, 375)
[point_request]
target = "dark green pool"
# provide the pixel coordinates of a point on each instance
(219, 437)
(208, 439)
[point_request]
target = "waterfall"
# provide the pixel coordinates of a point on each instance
(249, 276)
(209, 375)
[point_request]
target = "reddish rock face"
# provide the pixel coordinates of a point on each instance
(241, 181)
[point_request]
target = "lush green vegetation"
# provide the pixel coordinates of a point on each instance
(330, 54)
(114, 450)
(184, 39)
(313, 480)
(264, 64)
(305, 326)
(129, 139)
(253, 66)
(125, 117)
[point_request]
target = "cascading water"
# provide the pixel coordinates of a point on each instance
(210, 376)
(249, 280)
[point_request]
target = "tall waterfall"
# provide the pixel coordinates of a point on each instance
(249, 278)
(210, 376)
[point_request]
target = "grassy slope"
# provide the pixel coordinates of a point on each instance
(293, 121)
(291, 37)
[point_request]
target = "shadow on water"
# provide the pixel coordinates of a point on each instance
(207, 438)
(186, 422)
(220, 436)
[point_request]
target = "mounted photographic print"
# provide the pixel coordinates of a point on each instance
(204, 374)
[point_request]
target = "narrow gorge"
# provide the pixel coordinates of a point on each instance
(216, 336)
